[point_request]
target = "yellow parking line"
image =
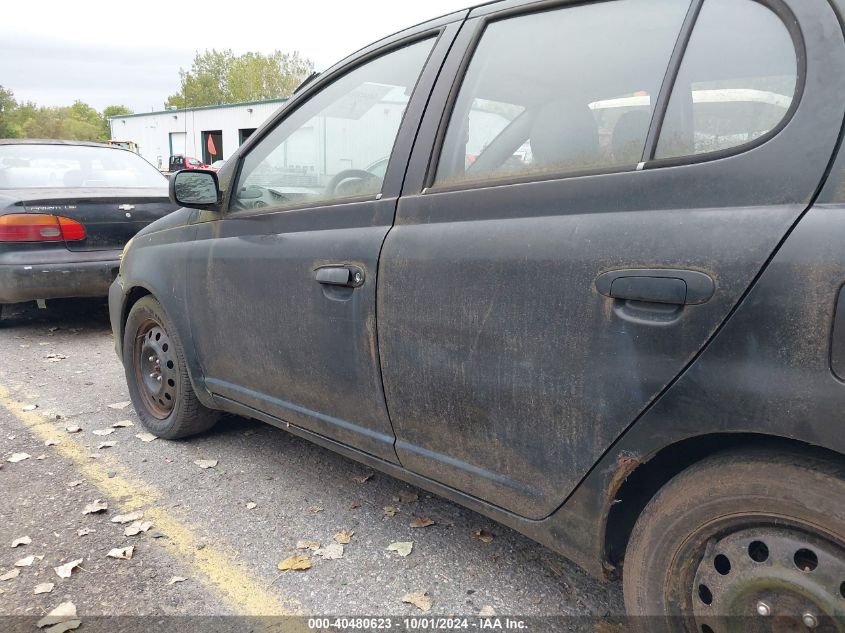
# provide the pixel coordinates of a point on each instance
(216, 569)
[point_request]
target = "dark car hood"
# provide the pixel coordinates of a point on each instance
(180, 217)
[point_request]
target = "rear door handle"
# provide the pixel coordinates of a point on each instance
(656, 285)
(349, 276)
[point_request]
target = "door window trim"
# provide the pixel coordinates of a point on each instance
(485, 17)
(313, 90)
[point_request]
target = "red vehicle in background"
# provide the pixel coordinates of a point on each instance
(179, 161)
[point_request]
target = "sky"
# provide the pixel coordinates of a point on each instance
(129, 53)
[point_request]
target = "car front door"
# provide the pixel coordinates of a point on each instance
(556, 262)
(284, 282)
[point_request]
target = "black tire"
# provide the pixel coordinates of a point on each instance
(180, 413)
(694, 555)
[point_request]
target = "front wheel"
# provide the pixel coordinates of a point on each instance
(750, 541)
(157, 376)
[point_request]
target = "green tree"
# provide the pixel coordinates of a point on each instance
(8, 106)
(219, 77)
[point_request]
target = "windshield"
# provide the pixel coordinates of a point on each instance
(61, 166)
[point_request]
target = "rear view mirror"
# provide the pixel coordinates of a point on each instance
(196, 188)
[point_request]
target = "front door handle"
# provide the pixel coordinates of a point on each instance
(656, 285)
(349, 276)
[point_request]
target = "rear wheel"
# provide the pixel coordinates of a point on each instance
(157, 376)
(742, 542)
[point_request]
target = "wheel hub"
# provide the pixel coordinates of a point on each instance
(776, 579)
(155, 369)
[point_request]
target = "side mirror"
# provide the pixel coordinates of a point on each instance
(196, 188)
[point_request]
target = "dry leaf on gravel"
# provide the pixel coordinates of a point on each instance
(123, 553)
(29, 407)
(314, 509)
(109, 444)
(137, 527)
(84, 532)
(10, 574)
(26, 561)
(312, 545)
(120, 424)
(41, 457)
(127, 518)
(75, 483)
(403, 548)
(487, 612)
(44, 587)
(405, 497)
(51, 442)
(421, 522)
(176, 579)
(146, 437)
(96, 506)
(362, 479)
(103, 431)
(297, 562)
(73, 428)
(64, 571)
(420, 599)
(18, 457)
(120, 405)
(251, 505)
(62, 618)
(332, 551)
(206, 463)
(344, 536)
(483, 535)
(390, 511)
(23, 540)
(354, 505)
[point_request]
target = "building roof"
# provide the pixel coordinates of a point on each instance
(194, 109)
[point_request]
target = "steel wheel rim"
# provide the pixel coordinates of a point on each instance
(155, 369)
(772, 577)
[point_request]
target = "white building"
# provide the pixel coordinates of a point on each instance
(187, 131)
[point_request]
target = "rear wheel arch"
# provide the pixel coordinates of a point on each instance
(640, 485)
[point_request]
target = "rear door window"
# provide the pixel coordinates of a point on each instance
(560, 91)
(736, 82)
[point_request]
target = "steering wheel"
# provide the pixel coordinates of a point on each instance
(346, 174)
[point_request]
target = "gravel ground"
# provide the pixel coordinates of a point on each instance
(225, 528)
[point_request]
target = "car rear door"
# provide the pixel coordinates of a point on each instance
(557, 259)
(283, 284)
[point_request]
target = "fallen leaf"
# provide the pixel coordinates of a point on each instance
(29, 407)
(123, 553)
(137, 527)
(390, 511)
(405, 497)
(44, 587)
(176, 579)
(96, 506)
(84, 532)
(251, 505)
(23, 540)
(103, 431)
(332, 551)
(312, 545)
(65, 613)
(344, 536)
(64, 627)
(403, 548)
(10, 574)
(421, 522)
(18, 457)
(483, 535)
(64, 571)
(354, 505)
(120, 405)
(420, 599)
(206, 463)
(109, 444)
(120, 424)
(314, 509)
(41, 457)
(362, 479)
(73, 428)
(146, 437)
(487, 612)
(127, 518)
(297, 562)
(51, 442)
(75, 483)
(26, 561)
